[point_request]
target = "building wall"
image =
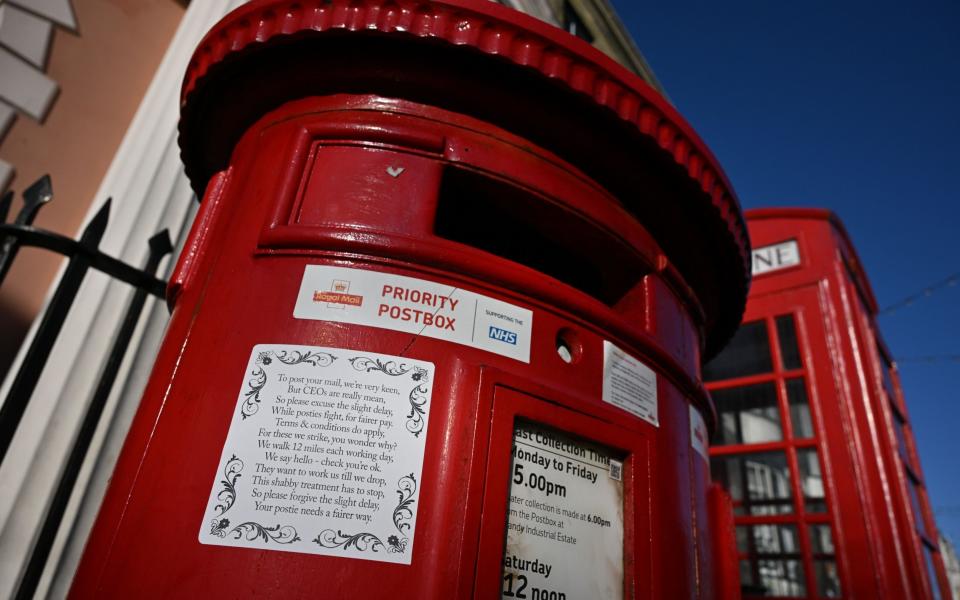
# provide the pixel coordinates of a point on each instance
(603, 28)
(103, 69)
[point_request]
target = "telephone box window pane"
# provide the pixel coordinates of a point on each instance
(799, 409)
(748, 415)
(789, 350)
(811, 481)
(931, 572)
(898, 428)
(821, 540)
(774, 567)
(888, 384)
(824, 565)
(748, 353)
(743, 539)
(915, 502)
(886, 369)
(772, 578)
(771, 540)
(747, 584)
(828, 580)
(782, 577)
(758, 483)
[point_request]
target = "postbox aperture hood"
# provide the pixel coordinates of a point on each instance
(489, 62)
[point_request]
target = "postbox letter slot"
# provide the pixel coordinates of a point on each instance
(519, 225)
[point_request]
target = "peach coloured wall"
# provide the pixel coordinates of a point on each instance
(103, 70)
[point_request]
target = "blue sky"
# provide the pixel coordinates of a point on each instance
(851, 106)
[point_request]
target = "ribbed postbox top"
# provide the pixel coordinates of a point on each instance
(478, 58)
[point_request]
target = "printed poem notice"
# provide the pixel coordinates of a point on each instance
(565, 518)
(324, 454)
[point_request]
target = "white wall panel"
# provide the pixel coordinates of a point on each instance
(58, 11)
(26, 34)
(24, 87)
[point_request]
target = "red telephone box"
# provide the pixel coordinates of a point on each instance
(438, 326)
(814, 441)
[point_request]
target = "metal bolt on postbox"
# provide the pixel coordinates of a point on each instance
(438, 326)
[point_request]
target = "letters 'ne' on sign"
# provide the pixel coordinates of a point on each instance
(775, 257)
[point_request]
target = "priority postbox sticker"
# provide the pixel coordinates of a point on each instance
(415, 306)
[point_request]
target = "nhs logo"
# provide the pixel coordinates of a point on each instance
(503, 335)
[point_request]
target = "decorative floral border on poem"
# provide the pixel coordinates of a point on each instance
(258, 378)
(250, 530)
(364, 541)
(417, 396)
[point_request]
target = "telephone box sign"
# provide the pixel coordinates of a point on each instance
(324, 454)
(416, 306)
(564, 519)
(775, 257)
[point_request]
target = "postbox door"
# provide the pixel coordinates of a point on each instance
(566, 505)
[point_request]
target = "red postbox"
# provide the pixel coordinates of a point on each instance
(438, 326)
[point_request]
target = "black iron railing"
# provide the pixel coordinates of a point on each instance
(83, 255)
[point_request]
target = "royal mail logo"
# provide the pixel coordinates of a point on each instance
(502, 335)
(338, 296)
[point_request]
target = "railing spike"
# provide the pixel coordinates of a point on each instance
(34, 197)
(94, 230)
(160, 243)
